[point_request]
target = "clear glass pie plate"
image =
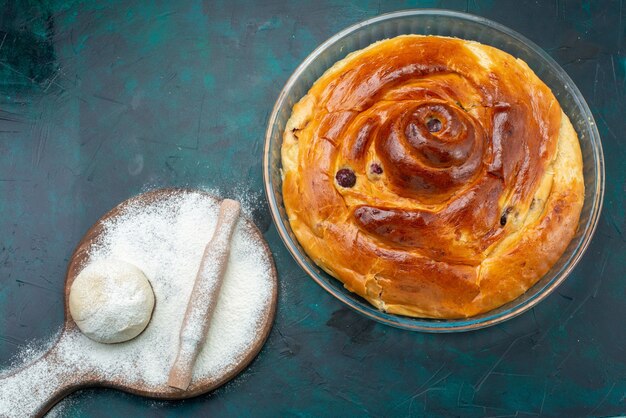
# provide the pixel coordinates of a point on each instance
(464, 26)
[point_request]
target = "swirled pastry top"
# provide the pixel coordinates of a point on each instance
(435, 177)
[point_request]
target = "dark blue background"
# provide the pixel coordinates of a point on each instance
(101, 99)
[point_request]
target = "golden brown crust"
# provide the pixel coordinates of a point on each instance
(481, 185)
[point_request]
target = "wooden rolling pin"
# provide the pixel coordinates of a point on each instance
(204, 296)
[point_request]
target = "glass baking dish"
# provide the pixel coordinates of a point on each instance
(464, 26)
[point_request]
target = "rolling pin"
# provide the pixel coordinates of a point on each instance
(203, 298)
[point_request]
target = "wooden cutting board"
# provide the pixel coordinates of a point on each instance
(73, 376)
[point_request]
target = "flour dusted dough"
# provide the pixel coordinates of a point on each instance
(111, 301)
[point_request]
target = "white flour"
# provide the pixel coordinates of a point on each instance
(165, 240)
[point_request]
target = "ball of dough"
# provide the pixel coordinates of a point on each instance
(111, 301)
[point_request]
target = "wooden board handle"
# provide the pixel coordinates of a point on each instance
(32, 390)
(204, 296)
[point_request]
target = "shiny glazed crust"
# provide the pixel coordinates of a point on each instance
(469, 181)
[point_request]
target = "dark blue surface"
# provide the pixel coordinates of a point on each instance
(100, 100)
